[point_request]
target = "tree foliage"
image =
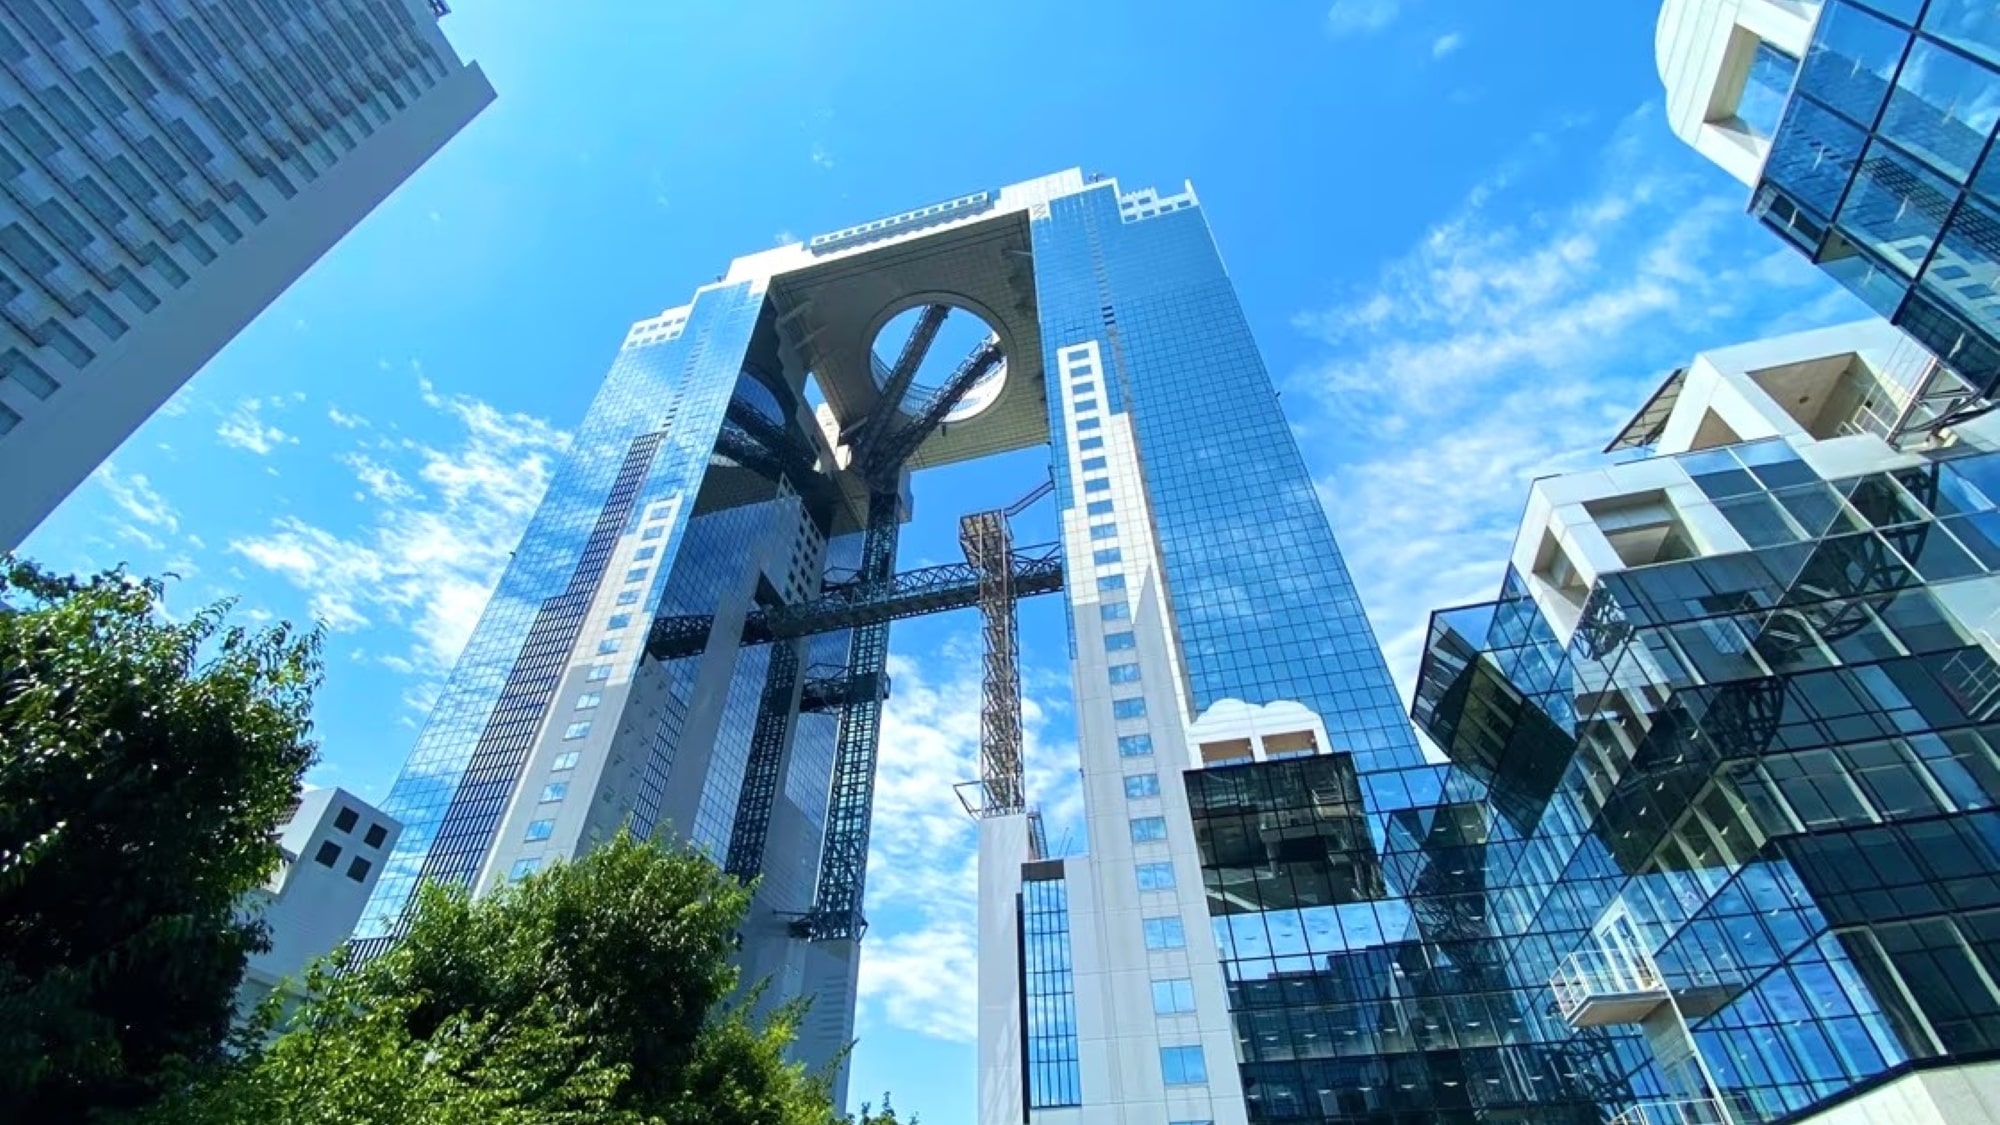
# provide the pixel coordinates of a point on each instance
(143, 765)
(592, 993)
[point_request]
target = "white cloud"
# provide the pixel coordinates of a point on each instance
(382, 482)
(343, 419)
(135, 496)
(918, 966)
(784, 238)
(427, 557)
(1359, 17)
(245, 428)
(1510, 342)
(821, 156)
(1447, 44)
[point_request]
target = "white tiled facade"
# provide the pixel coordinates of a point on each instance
(1703, 50)
(1119, 1036)
(167, 168)
(335, 845)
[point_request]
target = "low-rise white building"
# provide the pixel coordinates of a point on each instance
(334, 847)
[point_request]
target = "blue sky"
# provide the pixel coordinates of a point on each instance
(1460, 229)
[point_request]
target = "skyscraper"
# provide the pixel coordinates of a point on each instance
(1863, 129)
(692, 632)
(1717, 841)
(167, 168)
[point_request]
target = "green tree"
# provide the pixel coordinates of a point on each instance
(144, 763)
(887, 1115)
(592, 993)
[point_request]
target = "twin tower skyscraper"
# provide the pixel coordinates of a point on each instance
(691, 634)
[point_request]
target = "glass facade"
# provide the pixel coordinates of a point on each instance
(1263, 607)
(1736, 843)
(643, 448)
(1879, 168)
(1049, 993)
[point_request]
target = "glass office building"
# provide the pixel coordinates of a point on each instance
(692, 633)
(1863, 128)
(167, 168)
(1717, 839)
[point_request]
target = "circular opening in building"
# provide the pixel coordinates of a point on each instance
(963, 341)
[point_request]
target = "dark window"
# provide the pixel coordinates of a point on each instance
(22, 126)
(100, 92)
(131, 77)
(347, 819)
(376, 834)
(328, 854)
(30, 255)
(357, 870)
(24, 371)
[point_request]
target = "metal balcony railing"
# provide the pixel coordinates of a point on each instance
(1694, 1111)
(1594, 987)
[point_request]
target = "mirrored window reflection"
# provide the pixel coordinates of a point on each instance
(1049, 996)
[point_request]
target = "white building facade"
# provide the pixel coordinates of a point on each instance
(166, 170)
(335, 846)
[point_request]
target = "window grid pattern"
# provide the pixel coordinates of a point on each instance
(140, 140)
(1796, 805)
(1263, 606)
(1881, 170)
(679, 387)
(1054, 1075)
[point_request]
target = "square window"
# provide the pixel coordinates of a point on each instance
(1120, 642)
(628, 597)
(1090, 443)
(618, 621)
(1098, 508)
(1104, 531)
(1124, 673)
(1097, 484)
(645, 553)
(1148, 829)
(1142, 785)
(554, 791)
(653, 532)
(637, 574)
(1084, 404)
(1109, 582)
(1087, 423)
(576, 730)
(347, 819)
(599, 672)
(541, 829)
(1105, 557)
(588, 700)
(564, 761)
(1115, 611)
(328, 853)
(1183, 1066)
(376, 834)
(357, 869)
(1155, 876)
(1135, 745)
(607, 646)
(1086, 387)
(1173, 997)
(1128, 708)
(1165, 933)
(1093, 464)
(523, 868)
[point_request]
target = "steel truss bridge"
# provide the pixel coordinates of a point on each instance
(993, 576)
